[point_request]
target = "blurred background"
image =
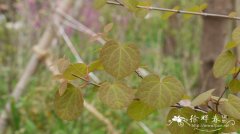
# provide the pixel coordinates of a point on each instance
(179, 45)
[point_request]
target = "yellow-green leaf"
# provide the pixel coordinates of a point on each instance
(177, 120)
(235, 70)
(116, 95)
(99, 3)
(119, 60)
(138, 110)
(230, 45)
(143, 12)
(202, 98)
(69, 106)
(224, 64)
(199, 8)
(131, 5)
(167, 15)
(160, 93)
(231, 107)
(203, 7)
(78, 69)
(234, 86)
(236, 35)
(94, 66)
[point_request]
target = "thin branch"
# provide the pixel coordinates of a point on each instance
(180, 11)
(177, 106)
(210, 107)
(138, 74)
(194, 108)
(89, 82)
(79, 26)
(199, 109)
(226, 88)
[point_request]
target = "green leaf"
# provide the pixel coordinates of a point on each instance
(116, 95)
(69, 106)
(224, 64)
(236, 35)
(143, 12)
(94, 66)
(78, 69)
(160, 93)
(175, 127)
(234, 70)
(167, 15)
(131, 5)
(234, 86)
(99, 3)
(202, 98)
(199, 8)
(230, 45)
(231, 107)
(138, 110)
(119, 60)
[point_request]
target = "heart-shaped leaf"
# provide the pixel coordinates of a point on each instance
(78, 69)
(119, 60)
(69, 105)
(224, 64)
(138, 110)
(160, 93)
(116, 95)
(236, 35)
(202, 98)
(99, 3)
(231, 107)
